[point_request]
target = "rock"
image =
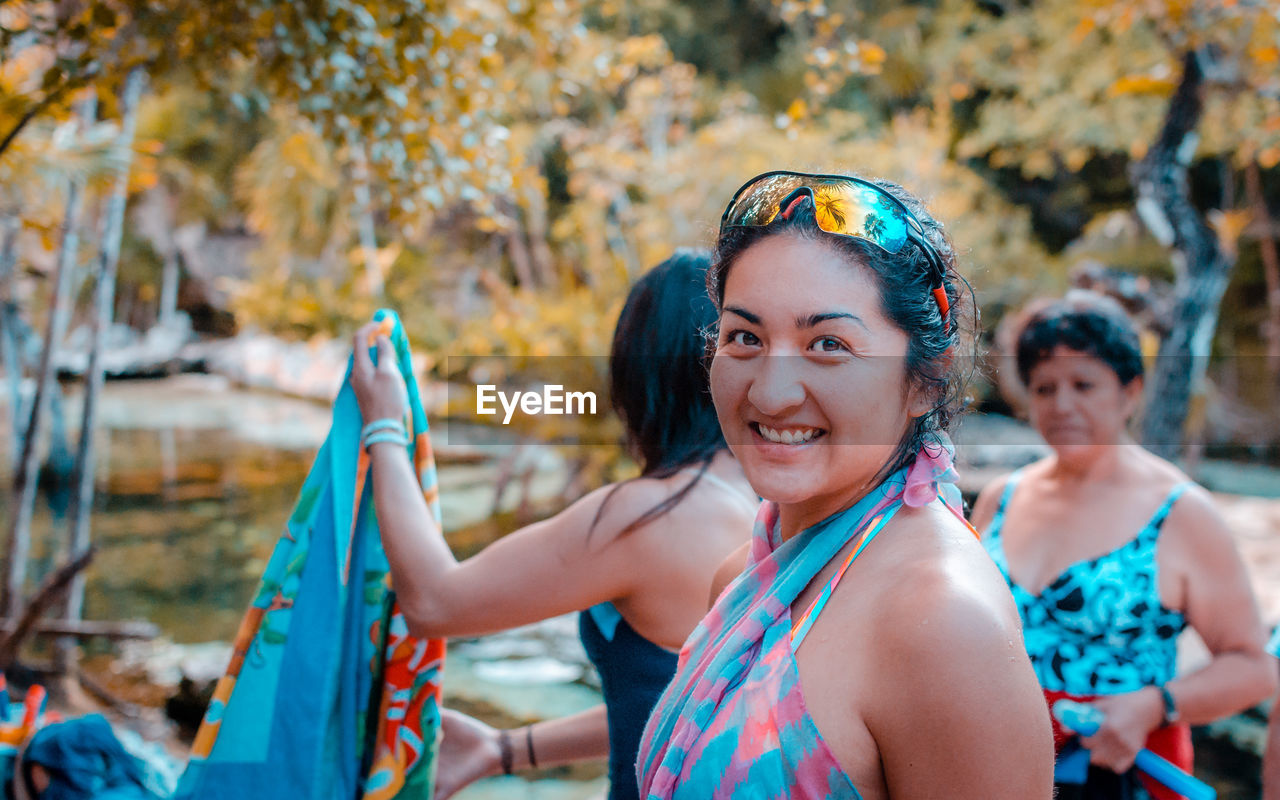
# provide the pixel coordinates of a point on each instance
(535, 671)
(169, 664)
(539, 671)
(127, 353)
(313, 369)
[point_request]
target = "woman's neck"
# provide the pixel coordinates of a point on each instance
(796, 517)
(1102, 463)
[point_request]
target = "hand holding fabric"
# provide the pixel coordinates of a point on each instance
(379, 389)
(1129, 719)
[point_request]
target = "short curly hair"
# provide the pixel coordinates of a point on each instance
(1084, 321)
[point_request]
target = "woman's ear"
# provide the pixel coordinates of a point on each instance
(921, 400)
(1132, 393)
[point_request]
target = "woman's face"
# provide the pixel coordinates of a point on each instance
(1078, 403)
(808, 376)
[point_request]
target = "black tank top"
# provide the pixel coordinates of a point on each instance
(633, 673)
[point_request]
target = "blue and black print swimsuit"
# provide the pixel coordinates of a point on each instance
(1099, 628)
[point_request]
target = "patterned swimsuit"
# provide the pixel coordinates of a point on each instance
(1100, 627)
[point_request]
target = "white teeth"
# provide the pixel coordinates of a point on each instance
(787, 437)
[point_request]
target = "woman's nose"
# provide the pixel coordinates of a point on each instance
(777, 387)
(1064, 401)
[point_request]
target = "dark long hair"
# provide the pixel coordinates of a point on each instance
(934, 361)
(658, 379)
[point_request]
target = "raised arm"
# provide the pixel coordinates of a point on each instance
(543, 570)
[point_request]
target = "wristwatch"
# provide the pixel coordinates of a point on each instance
(1171, 714)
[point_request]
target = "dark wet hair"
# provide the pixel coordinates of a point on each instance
(1084, 321)
(658, 379)
(933, 360)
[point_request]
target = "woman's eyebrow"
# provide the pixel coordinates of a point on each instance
(745, 314)
(813, 319)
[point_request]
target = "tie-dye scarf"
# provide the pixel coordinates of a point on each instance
(745, 622)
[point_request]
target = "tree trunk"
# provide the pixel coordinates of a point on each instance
(104, 306)
(1270, 266)
(24, 479)
(364, 221)
(50, 589)
(169, 289)
(13, 365)
(543, 261)
(1201, 265)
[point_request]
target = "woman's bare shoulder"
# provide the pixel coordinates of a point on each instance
(984, 508)
(942, 578)
(729, 569)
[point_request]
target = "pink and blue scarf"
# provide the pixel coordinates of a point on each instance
(690, 748)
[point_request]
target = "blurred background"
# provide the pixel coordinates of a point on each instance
(200, 201)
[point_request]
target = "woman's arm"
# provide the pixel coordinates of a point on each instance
(1221, 607)
(1219, 604)
(1271, 758)
(543, 570)
(472, 750)
(956, 711)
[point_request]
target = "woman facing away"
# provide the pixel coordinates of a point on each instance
(640, 555)
(1110, 552)
(867, 647)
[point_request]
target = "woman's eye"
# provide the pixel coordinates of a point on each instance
(1042, 391)
(829, 344)
(1083, 386)
(746, 338)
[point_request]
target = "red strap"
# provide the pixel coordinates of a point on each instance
(786, 212)
(1173, 742)
(944, 305)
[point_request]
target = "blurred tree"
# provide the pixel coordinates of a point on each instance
(1048, 88)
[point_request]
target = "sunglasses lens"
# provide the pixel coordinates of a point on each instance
(759, 203)
(841, 206)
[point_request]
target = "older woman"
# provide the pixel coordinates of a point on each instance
(1110, 552)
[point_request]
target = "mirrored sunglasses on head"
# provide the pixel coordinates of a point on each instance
(843, 205)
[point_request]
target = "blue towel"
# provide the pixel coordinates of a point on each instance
(327, 696)
(85, 761)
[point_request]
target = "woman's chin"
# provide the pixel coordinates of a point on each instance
(1068, 449)
(782, 486)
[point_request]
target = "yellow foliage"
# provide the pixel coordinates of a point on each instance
(1140, 84)
(1228, 225)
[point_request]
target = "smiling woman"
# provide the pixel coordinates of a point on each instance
(836, 372)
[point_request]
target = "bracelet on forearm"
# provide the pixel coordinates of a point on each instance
(384, 424)
(504, 750)
(528, 741)
(1171, 714)
(394, 437)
